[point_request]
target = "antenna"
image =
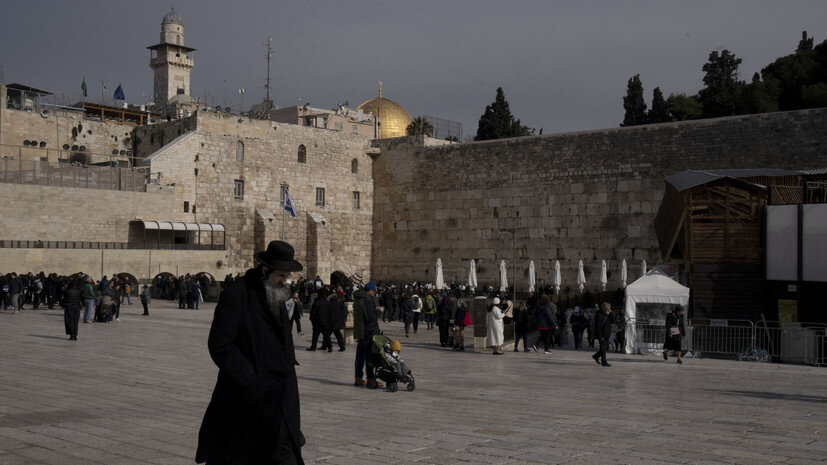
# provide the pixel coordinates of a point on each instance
(269, 55)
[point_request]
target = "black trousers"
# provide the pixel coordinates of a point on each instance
(443, 334)
(340, 339)
(416, 321)
(146, 307)
(71, 314)
(391, 312)
(604, 347)
(50, 300)
(325, 332)
(181, 301)
(545, 338)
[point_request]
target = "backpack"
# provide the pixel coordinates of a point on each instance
(430, 305)
(466, 319)
(106, 305)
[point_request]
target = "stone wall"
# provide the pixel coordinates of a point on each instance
(73, 214)
(203, 166)
(586, 195)
(100, 140)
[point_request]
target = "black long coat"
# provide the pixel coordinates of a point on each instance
(254, 409)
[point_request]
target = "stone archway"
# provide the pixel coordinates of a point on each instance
(130, 279)
(162, 286)
(209, 286)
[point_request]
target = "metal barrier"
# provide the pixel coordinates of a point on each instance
(799, 342)
(723, 337)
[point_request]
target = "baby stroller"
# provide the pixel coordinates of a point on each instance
(390, 367)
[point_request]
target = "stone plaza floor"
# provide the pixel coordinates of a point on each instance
(134, 392)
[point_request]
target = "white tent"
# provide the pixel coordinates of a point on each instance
(439, 282)
(655, 287)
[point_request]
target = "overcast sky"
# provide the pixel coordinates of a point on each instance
(563, 65)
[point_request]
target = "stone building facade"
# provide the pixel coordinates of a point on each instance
(209, 162)
(588, 196)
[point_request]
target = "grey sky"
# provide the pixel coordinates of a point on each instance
(563, 65)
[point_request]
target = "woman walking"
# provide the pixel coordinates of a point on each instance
(495, 326)
(72, 300)
(461, 320)
(675, 332)
(521, 327)
(546, 323)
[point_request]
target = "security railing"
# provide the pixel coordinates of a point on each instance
(44, 173)
(765, 341)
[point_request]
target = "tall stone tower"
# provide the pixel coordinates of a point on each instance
(171, 61)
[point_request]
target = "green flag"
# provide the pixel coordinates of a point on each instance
(83, 86)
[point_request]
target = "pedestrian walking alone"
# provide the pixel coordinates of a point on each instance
(72, 300)
(546, 323)
(603, 331)
(675, 332)
(145, 299)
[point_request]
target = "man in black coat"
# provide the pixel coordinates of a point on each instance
(603, 330)
(320, 318)
(253, 416)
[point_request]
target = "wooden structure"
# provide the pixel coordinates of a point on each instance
(711, 224)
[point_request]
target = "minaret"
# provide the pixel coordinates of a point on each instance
(170, 60)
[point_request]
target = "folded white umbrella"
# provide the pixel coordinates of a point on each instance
(503, 277)
(472, 275)
(532, 278)
(643, 268)
(557, 280)
(439, 282)
(581, 276)
(603, 275)
(623, 276)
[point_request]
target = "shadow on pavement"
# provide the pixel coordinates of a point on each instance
(46, 337)
(772, 395)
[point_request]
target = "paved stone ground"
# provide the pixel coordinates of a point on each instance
(134, 392)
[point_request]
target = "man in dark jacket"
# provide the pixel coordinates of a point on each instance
(365, 326)
(387, 302)
(579, 323)
(16, 292)
(603, 330)
(320, 320)
(253, 417)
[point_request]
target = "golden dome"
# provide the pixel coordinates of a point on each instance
(393, 119)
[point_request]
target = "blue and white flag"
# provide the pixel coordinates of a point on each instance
(288, 203)
(119, 94)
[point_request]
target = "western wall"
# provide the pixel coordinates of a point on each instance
(585, 195)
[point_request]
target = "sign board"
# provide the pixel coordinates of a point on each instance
(787, 310)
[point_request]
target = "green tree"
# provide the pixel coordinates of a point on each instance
(720, 96)
(420, 126)
(498, 123)
(757, 97)
(633, 103)
(806, 43)
(659, 112)
(452, 139)
(682, 107)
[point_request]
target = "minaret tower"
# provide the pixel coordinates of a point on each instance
(171, 61)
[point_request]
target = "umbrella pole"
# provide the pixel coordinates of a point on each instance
(514, 298)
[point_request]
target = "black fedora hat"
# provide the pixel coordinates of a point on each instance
(279, 256)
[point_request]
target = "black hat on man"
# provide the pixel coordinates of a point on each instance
(278, 256)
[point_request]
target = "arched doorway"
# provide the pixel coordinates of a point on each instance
(162, 286)
(340, 279)
(131, 280)
(209, 286)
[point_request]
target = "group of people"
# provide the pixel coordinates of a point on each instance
(81, 298)
(187, 289)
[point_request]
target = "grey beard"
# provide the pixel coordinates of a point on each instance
(277, 294)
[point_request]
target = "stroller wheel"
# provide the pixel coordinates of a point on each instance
(393, 387)
(411, 385)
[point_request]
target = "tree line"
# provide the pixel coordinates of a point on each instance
(792, 82)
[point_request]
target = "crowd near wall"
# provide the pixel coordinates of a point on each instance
(587, 196)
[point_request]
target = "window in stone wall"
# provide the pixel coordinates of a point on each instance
(302, 154)
(320, 196)
(238, 188)
(356, 203)
(186, 207)
(239, 151)
(354, 166)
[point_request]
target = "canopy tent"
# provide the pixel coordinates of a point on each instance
(655, 287)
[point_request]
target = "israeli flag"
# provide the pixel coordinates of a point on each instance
(288, 203)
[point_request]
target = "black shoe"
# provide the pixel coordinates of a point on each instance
(665, 356)
(526, 350)
(596, 359)
(462, 349)
(341, 349)
(311, 349)
(516, 349)
(330, 349)
(605, 364)
(456, 348)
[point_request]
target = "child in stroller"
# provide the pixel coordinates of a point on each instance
(390, 367)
